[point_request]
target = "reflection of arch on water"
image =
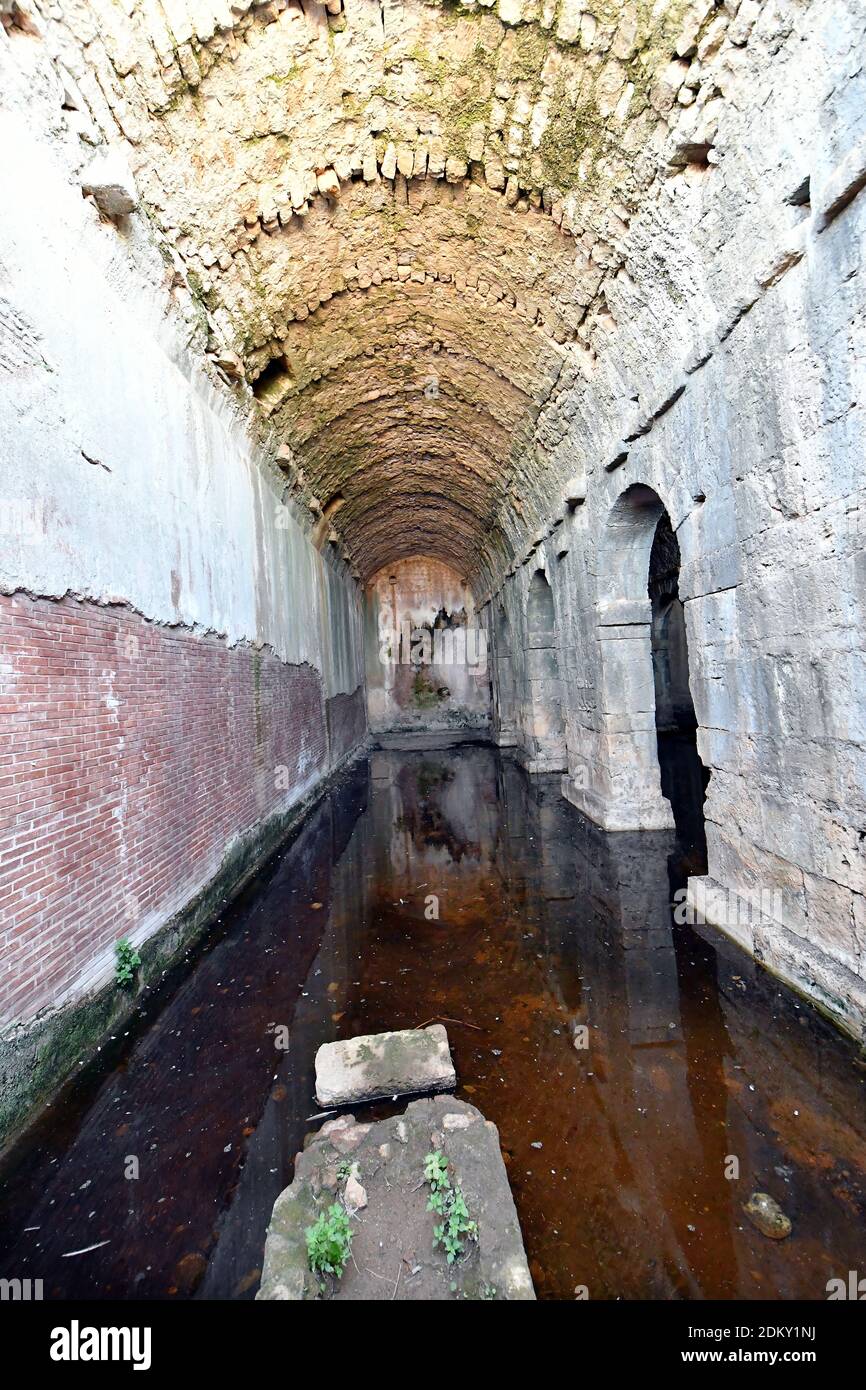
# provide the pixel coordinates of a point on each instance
(603, 940)
(545, 741)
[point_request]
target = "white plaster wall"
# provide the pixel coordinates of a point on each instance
(177, 513)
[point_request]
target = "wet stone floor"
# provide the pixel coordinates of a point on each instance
(549, 934)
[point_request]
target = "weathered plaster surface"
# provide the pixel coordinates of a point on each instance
(426, 650)
(114, 434)
(183, 660)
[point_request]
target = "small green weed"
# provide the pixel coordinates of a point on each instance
(436, 1173)
(127, 962)
(329, 1241)
(448, 1201)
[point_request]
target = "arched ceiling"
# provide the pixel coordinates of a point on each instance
(400, 219)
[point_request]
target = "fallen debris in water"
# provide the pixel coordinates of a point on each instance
(86, 1251)
(767, 1216)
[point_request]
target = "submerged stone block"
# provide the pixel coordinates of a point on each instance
(384, 1064)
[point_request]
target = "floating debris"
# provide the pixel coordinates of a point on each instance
(86, 1251)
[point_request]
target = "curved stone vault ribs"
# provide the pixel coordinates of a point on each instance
(401, 221)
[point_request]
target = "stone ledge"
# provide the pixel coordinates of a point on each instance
(841, 187)
(799, 963)
(393, 1257)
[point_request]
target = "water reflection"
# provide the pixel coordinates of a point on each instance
(549, 933)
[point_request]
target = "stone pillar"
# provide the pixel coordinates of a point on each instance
(619, 786)
(545, 751)
(504, 703)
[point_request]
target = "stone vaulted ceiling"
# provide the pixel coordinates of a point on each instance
(400, 219)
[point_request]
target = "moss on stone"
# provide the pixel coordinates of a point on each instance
(529, 50)
(458, 93)
(284, 79)
(573, 133)
(424, 693)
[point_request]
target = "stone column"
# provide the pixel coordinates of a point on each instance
(619, 786)
(504, 712)
(546, 743)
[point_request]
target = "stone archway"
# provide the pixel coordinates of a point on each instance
(623, 786)
(545, 730)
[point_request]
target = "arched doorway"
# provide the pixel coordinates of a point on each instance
(641, 640)
(683, 776)
(504, 693)
(545, 731)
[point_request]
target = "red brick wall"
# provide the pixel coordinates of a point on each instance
(131, 756)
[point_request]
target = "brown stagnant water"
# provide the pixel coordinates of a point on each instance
(546, 923)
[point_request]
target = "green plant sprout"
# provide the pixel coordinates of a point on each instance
(329, 1241)
(456, 1227)
(127, 962)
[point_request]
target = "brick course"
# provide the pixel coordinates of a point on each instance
(131, 757)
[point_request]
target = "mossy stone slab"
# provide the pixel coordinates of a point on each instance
(410, 1062)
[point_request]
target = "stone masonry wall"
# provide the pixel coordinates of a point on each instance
(426, 654)
(401, 220)
(731, 395)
